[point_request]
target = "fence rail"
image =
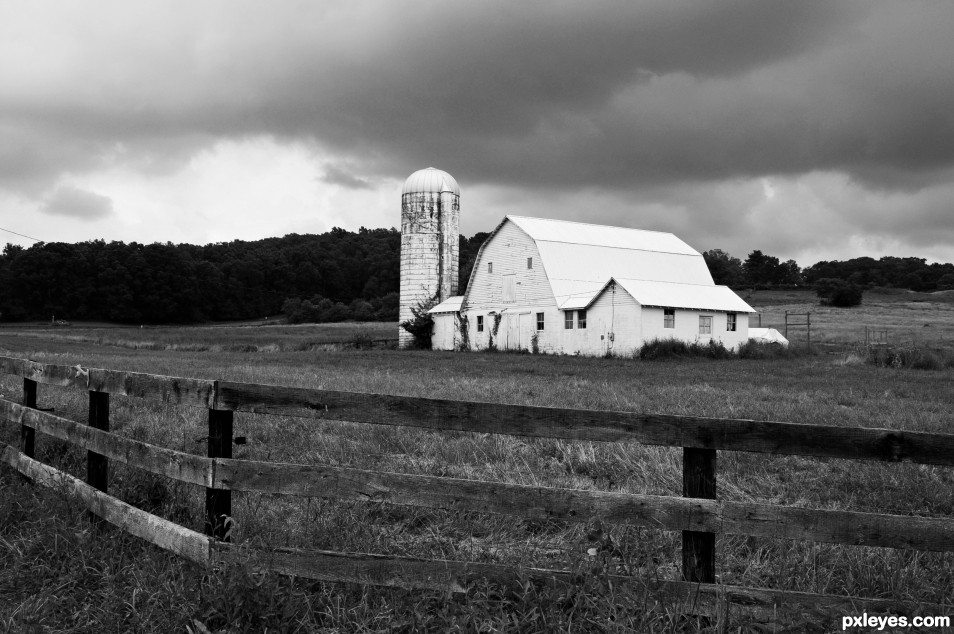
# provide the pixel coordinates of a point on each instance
(698, 514)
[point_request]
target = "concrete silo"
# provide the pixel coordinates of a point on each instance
(430, 229)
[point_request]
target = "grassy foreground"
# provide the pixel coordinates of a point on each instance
(58, 574)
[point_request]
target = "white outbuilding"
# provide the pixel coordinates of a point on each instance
(567, 287)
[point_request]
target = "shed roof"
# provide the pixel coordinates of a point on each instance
(449, 305)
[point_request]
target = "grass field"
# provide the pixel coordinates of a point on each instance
(56, 574)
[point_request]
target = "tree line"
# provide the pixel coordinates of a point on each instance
(760, 270)
(333, 276)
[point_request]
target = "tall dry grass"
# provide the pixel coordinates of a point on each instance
(811, 389)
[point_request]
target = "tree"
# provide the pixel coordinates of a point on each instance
(835, 292)
(725, 269)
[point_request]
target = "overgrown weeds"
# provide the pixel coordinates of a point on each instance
(912, 356)
(657, 349)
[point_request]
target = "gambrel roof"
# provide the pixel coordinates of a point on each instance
(656, 268)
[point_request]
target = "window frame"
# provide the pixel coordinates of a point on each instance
(568, 319)
(581, 319)
(731, 322)
(540, 321)
(669, 317)
(490, 267)
(530, 262)
(705, 325)
(480, 323)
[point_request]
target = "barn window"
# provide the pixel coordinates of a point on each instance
(490, 267)
(581, 319)
(705, 325)
(730, 322)
(568, 320)
(529, 263)
(539, 321)
(669, 318)
(480, 323)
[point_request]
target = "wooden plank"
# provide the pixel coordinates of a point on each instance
(698, 547)
(182, 391)
(218, 502)
(829, 441)
(173, 464)
(155, 530)
(457, 576)
(542, 503)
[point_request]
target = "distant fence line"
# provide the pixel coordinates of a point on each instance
(698, 514)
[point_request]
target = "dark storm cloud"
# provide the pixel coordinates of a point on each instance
(487, 86)
(664, 105)
(77, 203)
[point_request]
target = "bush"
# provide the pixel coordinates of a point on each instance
(839, 293)
(421, 325)
(766, 350)
(675, 348)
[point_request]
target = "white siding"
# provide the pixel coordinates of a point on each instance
(612, 326)
(508, 249)
(444, 336)
(687, 326)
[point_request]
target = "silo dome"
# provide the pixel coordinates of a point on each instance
(430, 180)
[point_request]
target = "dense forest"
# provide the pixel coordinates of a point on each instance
(332, 276)
(355, 273)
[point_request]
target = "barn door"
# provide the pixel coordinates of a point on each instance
(513, 331)
(524, 331)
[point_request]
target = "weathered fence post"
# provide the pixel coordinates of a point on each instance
(97, 465)
(218, 502)
(698, 481)
(28, 434)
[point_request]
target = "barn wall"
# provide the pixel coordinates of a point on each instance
(508, 250)
(612, 326)
(444, 336)
(687, 326)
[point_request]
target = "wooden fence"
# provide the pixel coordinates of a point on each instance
(699, 515)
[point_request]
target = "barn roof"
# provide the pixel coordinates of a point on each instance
(580, 258)
(669, 295)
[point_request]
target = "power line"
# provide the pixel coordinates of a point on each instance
(21, 235)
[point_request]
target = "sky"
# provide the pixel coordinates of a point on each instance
(810, 130)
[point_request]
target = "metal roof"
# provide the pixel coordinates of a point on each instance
(430, 180)
(666, 294)
(579, 258)
(694, 296)
(565, 231)
(449, 305)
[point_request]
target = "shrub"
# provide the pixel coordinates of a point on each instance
(675, 348)
(767, 350)
(421, 325)
(839, 293)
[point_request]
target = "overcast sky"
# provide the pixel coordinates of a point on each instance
(809, 130)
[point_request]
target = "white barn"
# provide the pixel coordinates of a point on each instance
(573, 288)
